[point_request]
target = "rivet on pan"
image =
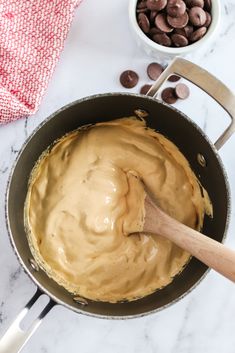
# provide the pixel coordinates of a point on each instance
(80, 300)
(34, 264)
(140, 113)
(201, 160)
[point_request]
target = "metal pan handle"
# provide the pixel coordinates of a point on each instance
(208, 83)
(15, 338)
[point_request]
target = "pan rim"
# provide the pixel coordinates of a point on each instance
(7, 220)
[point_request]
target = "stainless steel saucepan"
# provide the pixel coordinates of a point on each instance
(194, 144)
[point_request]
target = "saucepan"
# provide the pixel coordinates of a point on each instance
(201, 153)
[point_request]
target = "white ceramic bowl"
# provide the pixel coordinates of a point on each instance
(159, 51)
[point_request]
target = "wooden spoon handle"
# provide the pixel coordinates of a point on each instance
(207, 250)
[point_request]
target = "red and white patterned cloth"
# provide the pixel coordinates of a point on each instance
(32, 35)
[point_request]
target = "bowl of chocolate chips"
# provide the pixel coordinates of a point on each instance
(166, 28)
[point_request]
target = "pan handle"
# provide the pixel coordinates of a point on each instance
(15, 338)
(208, 83)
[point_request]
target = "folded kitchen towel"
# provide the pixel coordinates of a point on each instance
(32, 35)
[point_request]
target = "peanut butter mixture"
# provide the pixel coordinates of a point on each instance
(85, 197)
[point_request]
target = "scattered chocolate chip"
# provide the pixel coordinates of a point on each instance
(197, 16)
(173, 78)
(162, 24)
(129, 79)
(182, 91)
(192, 3)
(175, 8)
(208, 19)
(178, 22)
(156, 5)
(144, 89)
(143, 22)
(162, 39)
(154, 70)
(198, 34)
(207, 5)
(168, 95)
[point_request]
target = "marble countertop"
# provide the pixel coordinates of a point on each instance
(98, 48)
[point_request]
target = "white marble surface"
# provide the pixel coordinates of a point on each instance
(98, 48)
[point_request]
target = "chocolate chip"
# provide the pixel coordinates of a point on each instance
(186, 31)
(144, 89)
(179, 40)
(152, 16)
(168, 95)
(174, 22)
(175, 8)
(156, 5)
(143, 22)
(162, 24)
(192, 3)
(154, 30)
(179, 31)
(207, 5)
(197, 16)
(154, 70)
(173, 78)
(145, 9)
(178, 22)
(182, 91)
(129, 79)
(141, 5)
(162, 39)
(198, 34)
(208, 19)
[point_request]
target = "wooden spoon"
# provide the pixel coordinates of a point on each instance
(207, 250)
